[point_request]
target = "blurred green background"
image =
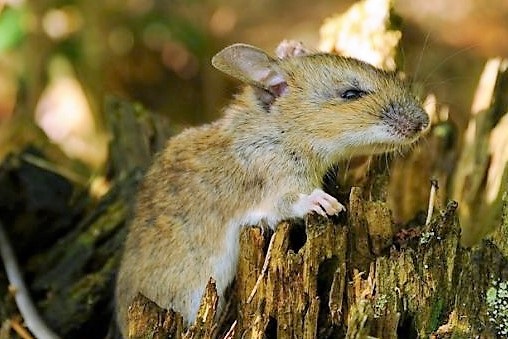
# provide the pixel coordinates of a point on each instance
(60, 59)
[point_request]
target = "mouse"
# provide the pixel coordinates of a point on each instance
(263, 161)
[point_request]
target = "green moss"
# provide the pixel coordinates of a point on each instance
(435, 315)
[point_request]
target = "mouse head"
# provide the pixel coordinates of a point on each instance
(346, 106)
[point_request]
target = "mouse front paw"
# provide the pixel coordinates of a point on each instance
(318, 201)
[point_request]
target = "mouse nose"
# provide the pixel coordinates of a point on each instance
(419, 122)
(422, 122)
(408, 120)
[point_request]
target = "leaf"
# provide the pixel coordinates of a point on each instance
(11, 28)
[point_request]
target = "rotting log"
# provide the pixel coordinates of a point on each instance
(68, 243)
(422, 286)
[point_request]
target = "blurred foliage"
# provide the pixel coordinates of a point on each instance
(11, 28)
(158, 52)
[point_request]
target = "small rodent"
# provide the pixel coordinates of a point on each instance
(263, 161)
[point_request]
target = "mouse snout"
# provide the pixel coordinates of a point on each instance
(407, 121)
(419, 119)
(422, 120)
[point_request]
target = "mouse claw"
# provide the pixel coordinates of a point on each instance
(318, 201)
(340, 208)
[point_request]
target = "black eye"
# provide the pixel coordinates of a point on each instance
(352, 94)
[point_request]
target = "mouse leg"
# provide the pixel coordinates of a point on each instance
(297, 205)
(318, 201)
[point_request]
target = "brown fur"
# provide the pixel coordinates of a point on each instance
(267, 153)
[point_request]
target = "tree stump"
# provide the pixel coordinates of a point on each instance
(333, 279)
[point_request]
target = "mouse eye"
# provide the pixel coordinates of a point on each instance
(352, 94)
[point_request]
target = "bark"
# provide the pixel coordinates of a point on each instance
(325, 281)
(69, 244)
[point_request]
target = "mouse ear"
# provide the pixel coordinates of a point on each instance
(252, 66)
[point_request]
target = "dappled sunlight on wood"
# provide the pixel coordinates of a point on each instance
(480, 179)
(483, 96)
(363, 32)
(497, 176)
(65, 116)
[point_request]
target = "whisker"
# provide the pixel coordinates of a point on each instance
(387, 163)
(445, 60)
(369, 163)
(348, 164)
(444, 81)
(420, 57)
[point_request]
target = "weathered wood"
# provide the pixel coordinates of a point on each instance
(500, 236)
(73, 250)
(147, 320)
(481, 176)
(312, 289)
(137, 135)
(205, 325)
